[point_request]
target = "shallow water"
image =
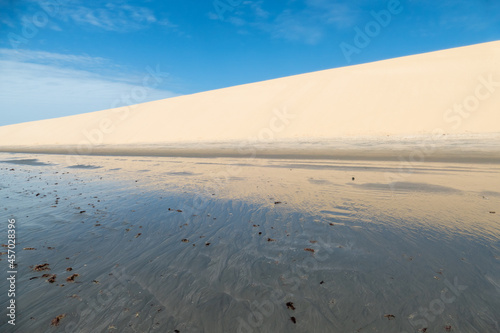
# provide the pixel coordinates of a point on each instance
(418, 242)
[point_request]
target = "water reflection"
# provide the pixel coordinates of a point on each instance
(221, 245)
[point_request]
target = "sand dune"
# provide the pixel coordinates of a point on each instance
(455, 91)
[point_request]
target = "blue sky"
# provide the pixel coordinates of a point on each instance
(60, 58)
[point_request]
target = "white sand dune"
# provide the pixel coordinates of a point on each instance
(455, 91)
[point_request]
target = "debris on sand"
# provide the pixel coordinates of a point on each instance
(448, 328)
(72, 278)
(293, 320)
(52, 279)
(57, 320)
(42, 267)
(138, 235)
(277, 202)
(290, 306)
(69, 269)
(184, 240)
(389, 316)
(271, 240)
(309, 249)
(29, 248)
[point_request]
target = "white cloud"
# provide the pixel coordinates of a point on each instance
(237, 21)
(108, 16)
(8, 22)
(293, 27)
(331, 13)
(50, 57)
(307, 22)
(32, 91)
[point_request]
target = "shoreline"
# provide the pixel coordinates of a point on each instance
(484, 148)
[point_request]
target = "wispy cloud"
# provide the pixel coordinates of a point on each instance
(87, 63)
(304, 21)
(477, 16)
(118, 17)
(8, 22)
(40, 85)
(292, 26)
(50, 57)
(328, 12)
(470, 16)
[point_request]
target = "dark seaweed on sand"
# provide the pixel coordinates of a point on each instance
(57, 320)
(42, 267)
(72, 278)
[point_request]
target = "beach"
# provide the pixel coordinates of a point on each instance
(224, 244)
(364, 198)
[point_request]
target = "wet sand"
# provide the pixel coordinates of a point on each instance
(441, 147)
(176, 244)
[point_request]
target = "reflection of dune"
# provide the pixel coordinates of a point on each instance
(373, 251)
